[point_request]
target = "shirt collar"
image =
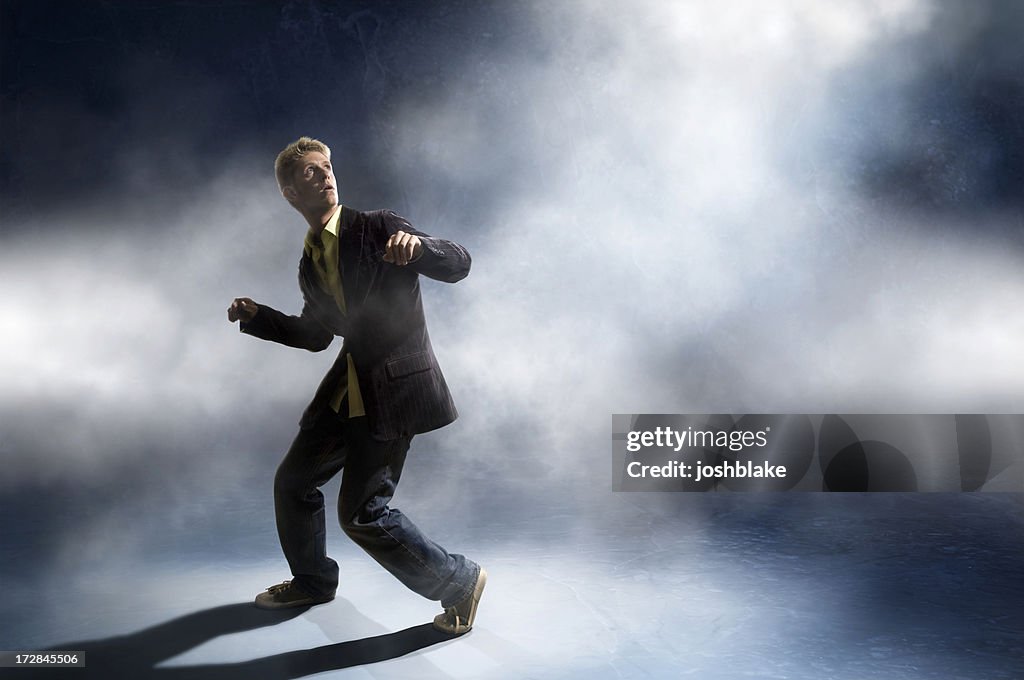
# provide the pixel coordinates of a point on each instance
(314, 241)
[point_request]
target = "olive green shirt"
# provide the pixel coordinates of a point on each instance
(324, 251)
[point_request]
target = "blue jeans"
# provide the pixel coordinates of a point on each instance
(371, 472)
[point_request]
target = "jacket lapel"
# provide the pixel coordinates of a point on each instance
(358, 259)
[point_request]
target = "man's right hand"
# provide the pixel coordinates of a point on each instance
(242, 309)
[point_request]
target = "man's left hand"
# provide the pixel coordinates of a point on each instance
(402, 248)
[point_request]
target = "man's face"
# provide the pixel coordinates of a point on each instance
(313, 185)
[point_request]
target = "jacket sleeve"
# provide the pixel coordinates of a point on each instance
(303, 331)
(440, 259)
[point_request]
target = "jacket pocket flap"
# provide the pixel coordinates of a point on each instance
(414, 363)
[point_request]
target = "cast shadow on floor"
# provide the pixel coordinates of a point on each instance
(137, 655)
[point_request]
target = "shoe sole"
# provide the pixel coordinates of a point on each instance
(270, 604)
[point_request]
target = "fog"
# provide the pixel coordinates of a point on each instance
(787, 207)
(685, 208)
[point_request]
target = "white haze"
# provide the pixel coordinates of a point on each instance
(666, 229)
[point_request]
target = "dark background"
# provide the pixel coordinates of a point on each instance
(680, 208)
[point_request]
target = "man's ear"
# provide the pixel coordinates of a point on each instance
(289, 193)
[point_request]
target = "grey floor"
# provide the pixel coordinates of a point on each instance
(726, 585)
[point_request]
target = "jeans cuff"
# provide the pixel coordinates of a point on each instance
(467, 589)
(304, 585)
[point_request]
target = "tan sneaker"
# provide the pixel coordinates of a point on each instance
(285, 595)
(459, 618)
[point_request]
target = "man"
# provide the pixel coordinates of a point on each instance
(359, 277)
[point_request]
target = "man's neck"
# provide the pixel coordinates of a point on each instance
(318, 220)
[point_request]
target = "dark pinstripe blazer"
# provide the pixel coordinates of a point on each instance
(403, 390)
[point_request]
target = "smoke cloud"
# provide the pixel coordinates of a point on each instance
(671, 208)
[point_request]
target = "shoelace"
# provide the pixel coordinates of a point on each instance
(279, 587)
(453, 615)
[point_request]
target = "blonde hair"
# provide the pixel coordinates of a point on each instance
(289, 157)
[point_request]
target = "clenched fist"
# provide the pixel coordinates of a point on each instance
(242, 309)
(402, 248)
